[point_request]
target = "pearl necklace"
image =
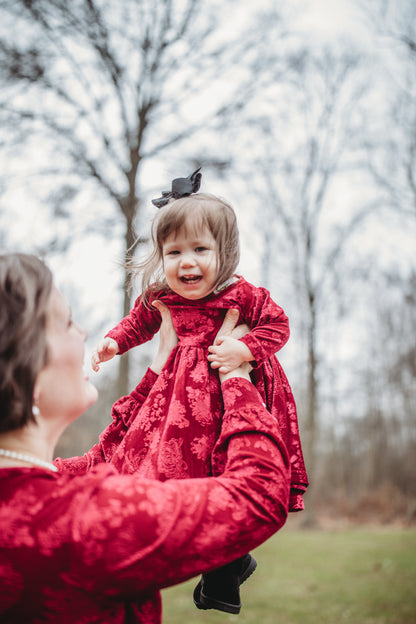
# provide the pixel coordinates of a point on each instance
(29, 459)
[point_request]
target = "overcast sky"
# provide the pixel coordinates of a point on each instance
(320, 21)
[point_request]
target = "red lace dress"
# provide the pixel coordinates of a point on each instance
(172, 435)
(97, 547)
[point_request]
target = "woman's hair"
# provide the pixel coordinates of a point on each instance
(193, 214)
(25, 287)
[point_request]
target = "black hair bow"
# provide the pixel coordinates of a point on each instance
(181, 187)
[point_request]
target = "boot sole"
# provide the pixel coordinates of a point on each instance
(205, 602)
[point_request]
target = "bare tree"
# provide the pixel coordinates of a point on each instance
(391, 145)
(375, 448)
(311, 132)
(107, 86)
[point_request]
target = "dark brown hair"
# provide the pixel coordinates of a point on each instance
(25, 288)
(193, 213)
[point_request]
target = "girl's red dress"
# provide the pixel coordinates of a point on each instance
(172, 435)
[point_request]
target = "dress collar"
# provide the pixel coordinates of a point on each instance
(226, 284)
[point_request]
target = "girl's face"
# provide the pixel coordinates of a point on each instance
(64, 390)
(190, 263)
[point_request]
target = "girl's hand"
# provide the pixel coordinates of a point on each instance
(229, 330)
(167, 338)
(106, 350)
(227, 353)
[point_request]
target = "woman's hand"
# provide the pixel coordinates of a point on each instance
(167, 338)
(228, 328)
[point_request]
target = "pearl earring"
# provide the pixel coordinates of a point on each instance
(35, 410)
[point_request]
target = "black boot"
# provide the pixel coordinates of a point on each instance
(220, 589)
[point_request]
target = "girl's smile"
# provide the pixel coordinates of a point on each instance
(190, 263)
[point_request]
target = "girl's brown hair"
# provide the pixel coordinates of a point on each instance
(193, 213)
(25, 288)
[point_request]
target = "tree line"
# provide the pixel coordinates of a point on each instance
(315, 143)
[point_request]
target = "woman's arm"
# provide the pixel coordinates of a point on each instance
(139, 535)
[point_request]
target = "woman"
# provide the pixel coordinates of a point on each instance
(98, 546)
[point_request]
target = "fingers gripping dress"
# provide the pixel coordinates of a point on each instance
(172, 434)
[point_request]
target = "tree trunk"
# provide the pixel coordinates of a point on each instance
(311, 418)
(129, 211)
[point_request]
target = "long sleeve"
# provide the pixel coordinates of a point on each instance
(97, 547)
(112, 435)
(268, 322)
(138, 327)
(163, 533)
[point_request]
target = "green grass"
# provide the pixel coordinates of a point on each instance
(357, 576)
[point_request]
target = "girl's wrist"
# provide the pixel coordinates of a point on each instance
(246, 354)
(243, 372)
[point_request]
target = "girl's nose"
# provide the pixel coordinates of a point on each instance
(187, 259)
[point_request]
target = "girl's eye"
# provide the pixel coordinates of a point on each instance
(199, 249)
(173, 252)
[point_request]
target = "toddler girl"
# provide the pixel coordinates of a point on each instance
(192, 270)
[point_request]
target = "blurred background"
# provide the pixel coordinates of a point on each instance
(302, 114)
